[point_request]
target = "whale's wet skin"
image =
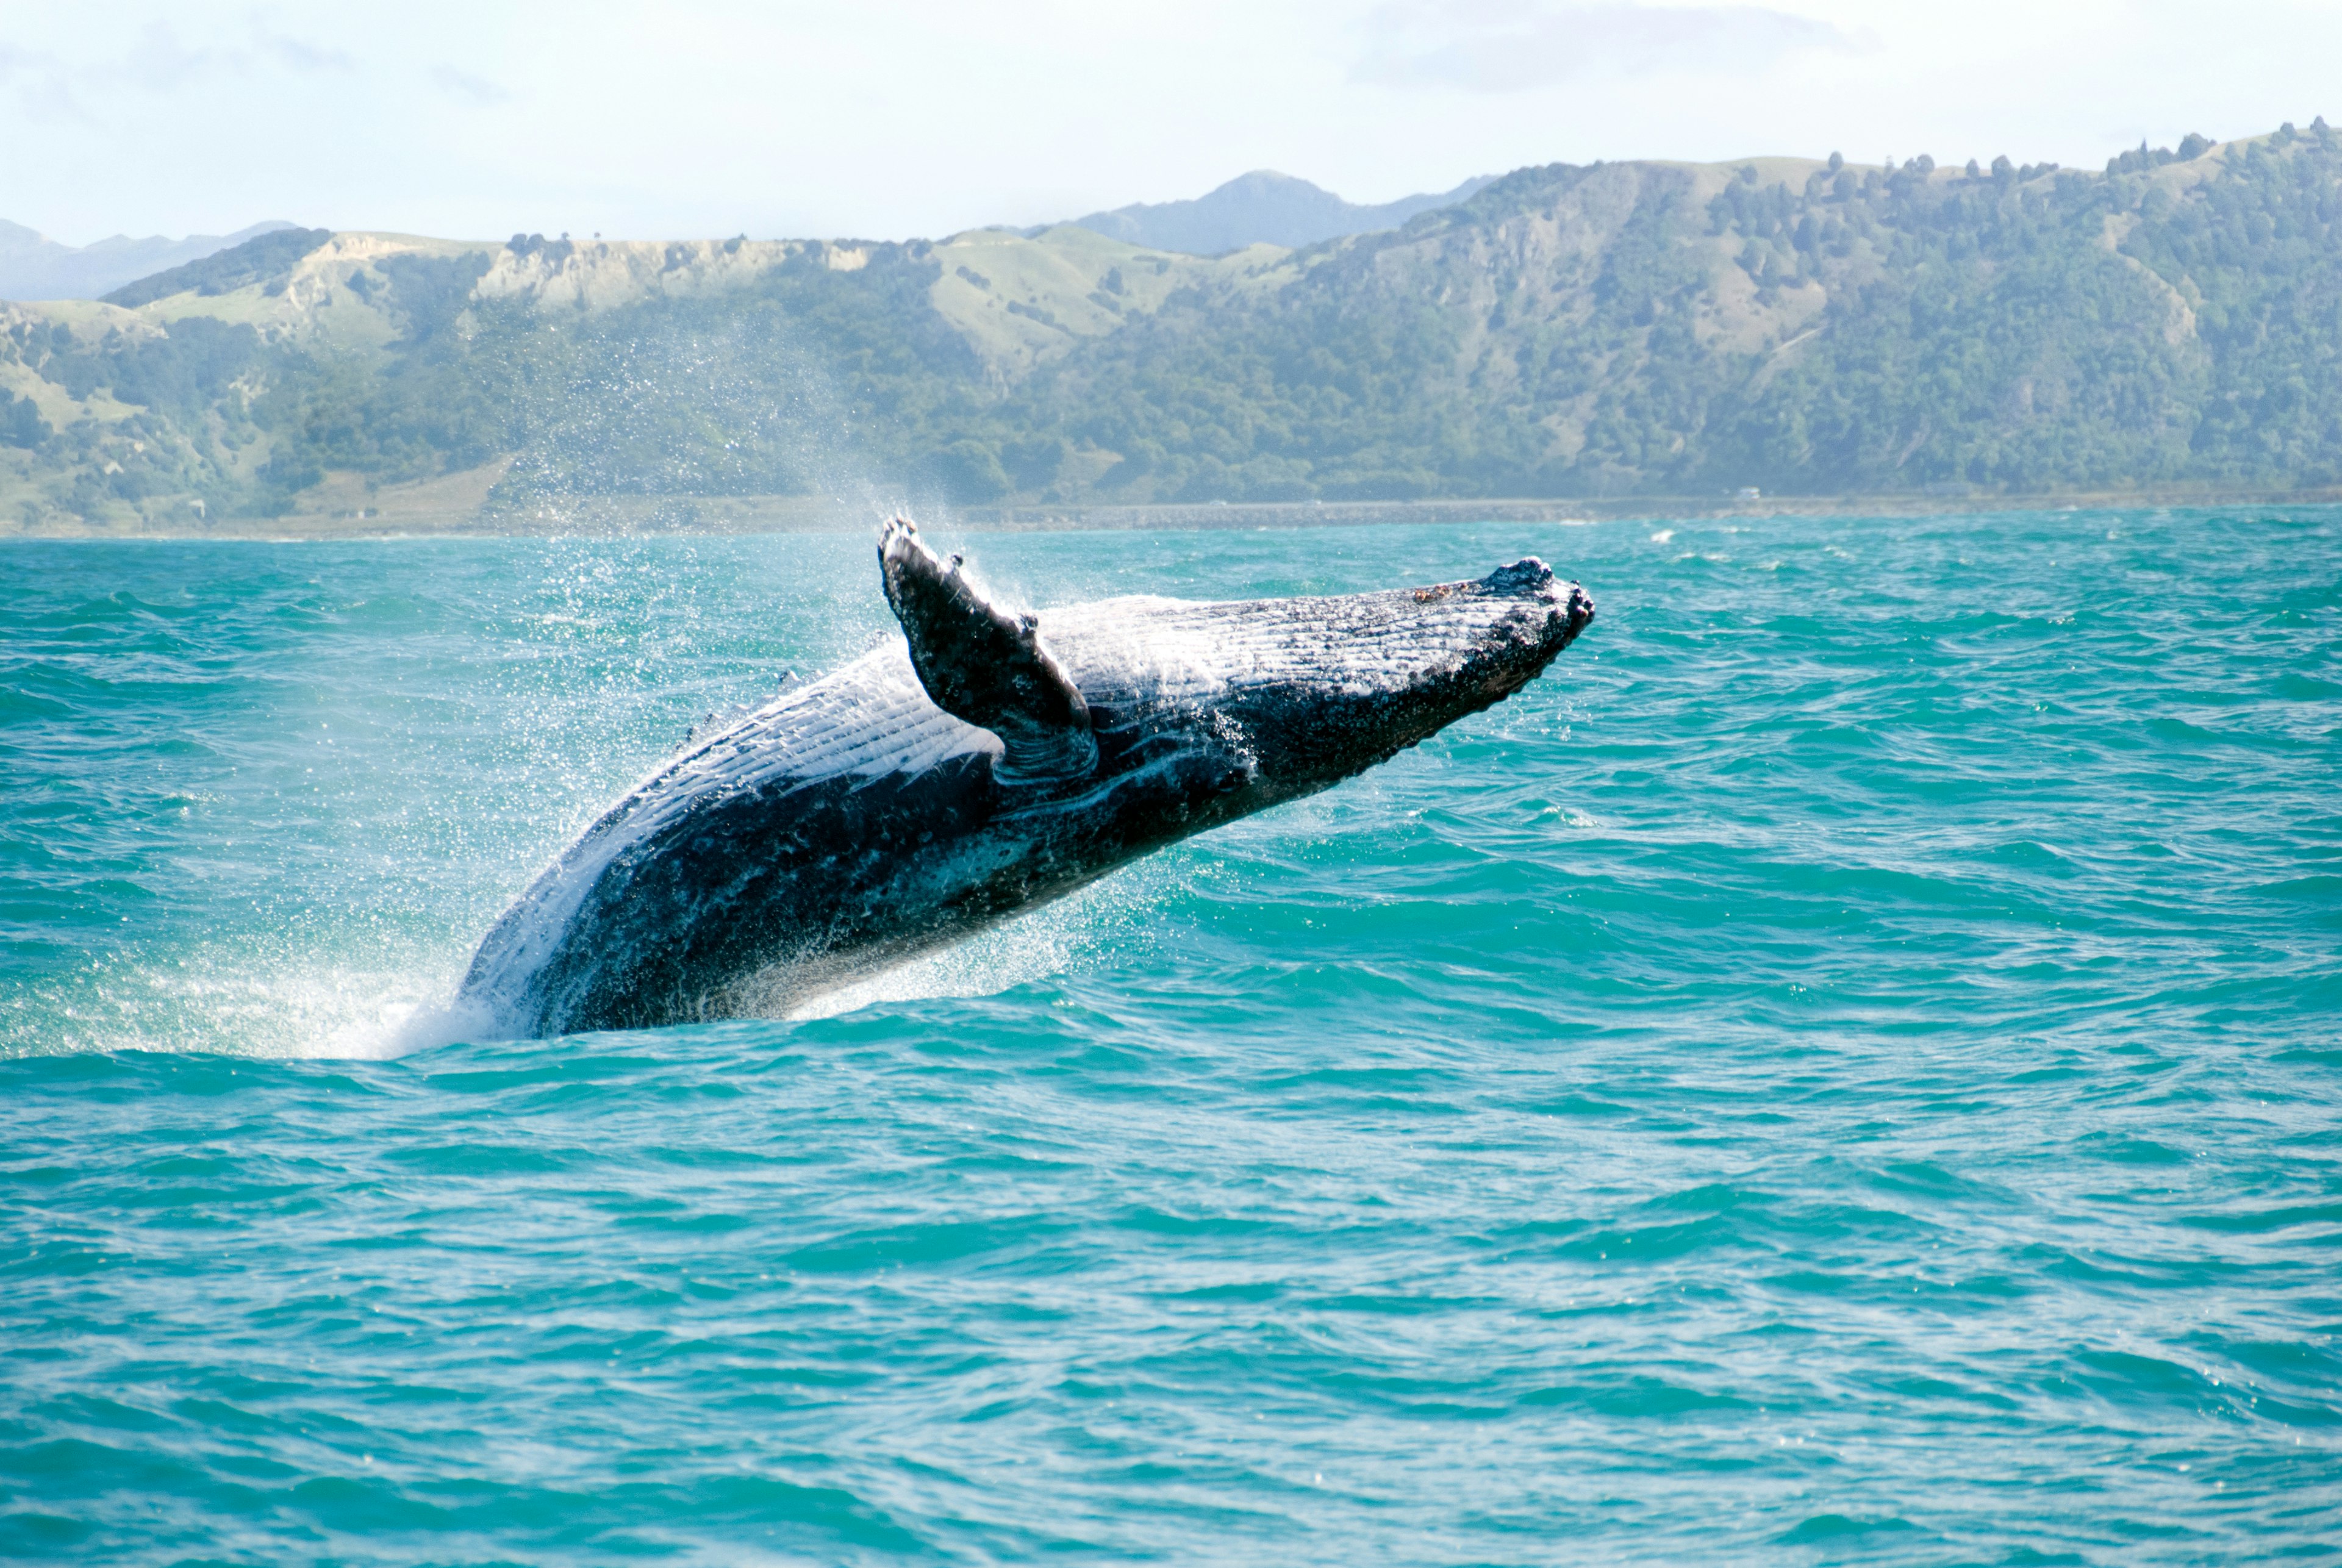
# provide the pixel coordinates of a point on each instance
(986, 763)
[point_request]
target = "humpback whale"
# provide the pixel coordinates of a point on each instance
(986, 763)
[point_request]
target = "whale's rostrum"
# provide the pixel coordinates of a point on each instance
(986, 763)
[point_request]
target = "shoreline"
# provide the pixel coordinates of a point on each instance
(652, 516)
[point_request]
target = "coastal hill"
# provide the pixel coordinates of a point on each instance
(1610, 330)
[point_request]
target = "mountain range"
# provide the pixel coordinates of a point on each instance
(1618, 329)
(1263, 207)
(33, 266)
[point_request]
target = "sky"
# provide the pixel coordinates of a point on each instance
(889, 119)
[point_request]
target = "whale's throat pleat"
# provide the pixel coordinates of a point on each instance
(984, 665)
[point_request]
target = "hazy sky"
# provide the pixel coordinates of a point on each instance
(890, 118)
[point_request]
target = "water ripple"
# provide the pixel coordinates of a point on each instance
(1842, 1070)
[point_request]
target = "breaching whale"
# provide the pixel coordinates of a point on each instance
(986, 763)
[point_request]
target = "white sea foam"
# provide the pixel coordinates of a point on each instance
(260, 1006)
(986, 965)
(1108, 918)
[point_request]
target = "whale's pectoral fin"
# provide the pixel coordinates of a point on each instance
(984, 665)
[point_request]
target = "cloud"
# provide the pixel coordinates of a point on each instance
(159, 62)
(40, 86)
(300, 54)
(465, 88)
(1512, 45)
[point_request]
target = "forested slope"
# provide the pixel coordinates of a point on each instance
(1620, 329)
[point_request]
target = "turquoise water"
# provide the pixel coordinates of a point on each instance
(1845, 1068)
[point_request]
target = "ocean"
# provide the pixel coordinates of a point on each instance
(1844, 1068)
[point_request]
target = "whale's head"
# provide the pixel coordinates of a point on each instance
(1259, 699)
(1305, 691)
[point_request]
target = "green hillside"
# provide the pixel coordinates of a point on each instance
(1609, 330)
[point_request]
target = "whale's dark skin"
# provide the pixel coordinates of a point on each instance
(987, 763)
